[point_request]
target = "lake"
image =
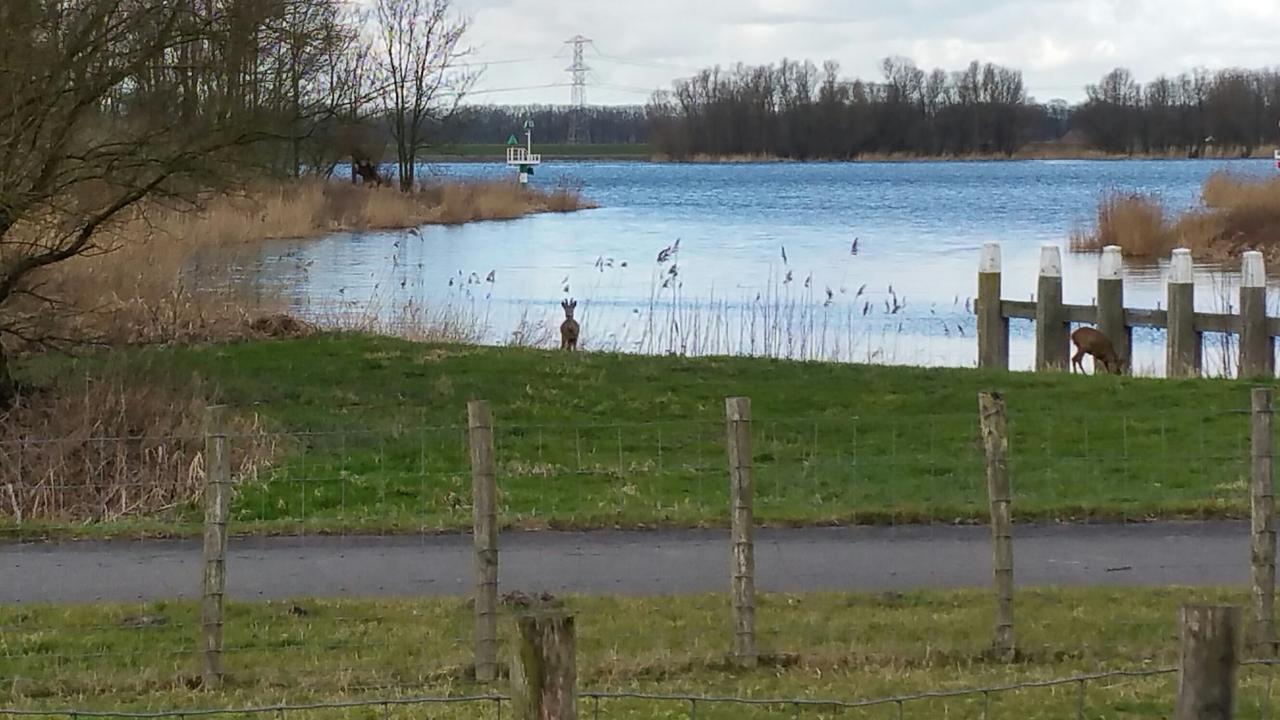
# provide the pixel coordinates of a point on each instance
(764, 263)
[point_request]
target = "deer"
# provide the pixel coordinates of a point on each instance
(1090, 341)
(569, 328)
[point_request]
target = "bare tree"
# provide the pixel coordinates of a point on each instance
(421, 81)
(86, 88)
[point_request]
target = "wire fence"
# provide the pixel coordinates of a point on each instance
(415, 478)
(1143, 692)
(908, 467)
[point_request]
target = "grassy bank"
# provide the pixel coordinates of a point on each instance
(1235, 214)
(829, 646)
(352, 433)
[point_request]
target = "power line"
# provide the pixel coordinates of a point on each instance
(648, 63)
(512, 61)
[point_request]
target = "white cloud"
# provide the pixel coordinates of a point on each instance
(1060, 45)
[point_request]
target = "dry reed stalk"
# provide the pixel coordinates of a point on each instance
(114, 449)
(1236, 214)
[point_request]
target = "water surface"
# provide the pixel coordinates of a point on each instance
(918, 226)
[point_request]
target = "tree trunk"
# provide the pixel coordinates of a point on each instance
(8, 388)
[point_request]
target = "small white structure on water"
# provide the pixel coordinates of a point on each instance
(523, 158)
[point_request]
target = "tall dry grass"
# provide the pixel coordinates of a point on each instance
(173, 273)
(1235, 214)
(113, 448)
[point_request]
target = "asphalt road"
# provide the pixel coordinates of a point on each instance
(631, 563)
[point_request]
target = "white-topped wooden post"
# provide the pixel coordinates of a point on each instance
(1052, 332)
(1257, 349)
(1183, 354)
(993, 326)
(1111, 302)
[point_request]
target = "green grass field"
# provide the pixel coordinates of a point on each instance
(371, 437)
(496, 151)
(825, 646)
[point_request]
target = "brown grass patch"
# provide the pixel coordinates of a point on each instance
(111, 449)
(1236, 214)
(175, 274)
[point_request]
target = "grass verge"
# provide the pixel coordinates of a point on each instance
(828, 646)
(367, 434)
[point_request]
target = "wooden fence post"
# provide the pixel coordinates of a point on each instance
(993, 326)
(1257, 350)
(1183, 352)
(1111, 304)
(1263, 529)
(484, 492)
(996, 444)
(1207, 663)
(544, 674)
(743, 588)
(217, 506)
(1053, 350)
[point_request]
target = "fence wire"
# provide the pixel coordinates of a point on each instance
(1141, 692)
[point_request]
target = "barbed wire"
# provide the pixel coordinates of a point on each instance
(693, 700)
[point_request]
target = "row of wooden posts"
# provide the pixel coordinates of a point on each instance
(546, 637)
(1184, 354)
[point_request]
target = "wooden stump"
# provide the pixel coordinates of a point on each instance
(1183, 353)
(993, 326)
(543, 667)
(1111, 304)
(1208, 662)
(1053, 333)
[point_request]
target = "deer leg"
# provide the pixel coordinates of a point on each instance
(1076, 362)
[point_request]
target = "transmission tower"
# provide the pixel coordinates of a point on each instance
(578, 71)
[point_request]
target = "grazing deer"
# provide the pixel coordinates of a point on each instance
(1089, 341)
(569, 328)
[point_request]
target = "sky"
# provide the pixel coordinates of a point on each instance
(1060, 45)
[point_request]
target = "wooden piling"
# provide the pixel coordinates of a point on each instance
(1053, 351)
(217, 508)
(743, 565)
(999, 493)
(484, 493)
(544, 674)
(1262, 637)
(993, 326)
(1111, 304)
(1257, 349)
(1183, 350)
(1208, 662)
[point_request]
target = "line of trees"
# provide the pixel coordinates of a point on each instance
(599, 124)
(1233, 110)
(796, 110)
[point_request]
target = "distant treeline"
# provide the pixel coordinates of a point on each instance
(1232, 109)
(551, 123)
(796, 110)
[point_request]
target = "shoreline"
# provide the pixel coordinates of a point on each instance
(867, 160)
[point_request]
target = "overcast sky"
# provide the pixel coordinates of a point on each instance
(1060, 45)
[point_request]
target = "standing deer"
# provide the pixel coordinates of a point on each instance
(1089, 341)
(569, 328)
